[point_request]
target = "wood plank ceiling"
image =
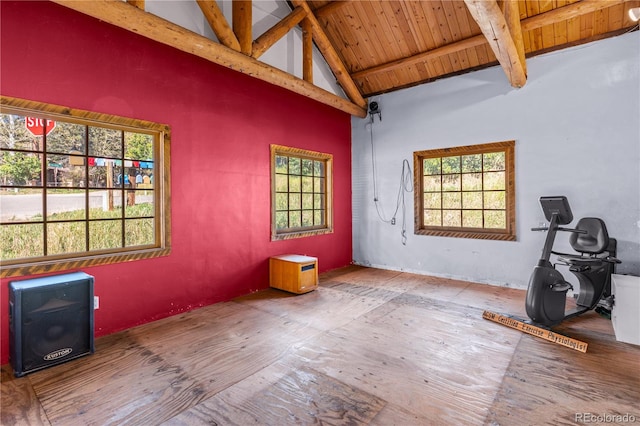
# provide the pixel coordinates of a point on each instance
(388, 45)
(378, 46)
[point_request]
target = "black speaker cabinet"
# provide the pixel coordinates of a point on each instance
(50, 321)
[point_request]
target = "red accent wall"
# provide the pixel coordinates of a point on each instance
(222, 124)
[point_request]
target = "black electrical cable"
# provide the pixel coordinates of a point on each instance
(406, 185)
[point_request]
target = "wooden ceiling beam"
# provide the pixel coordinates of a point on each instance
(307, 51)
(493, 25)
(331, 56)
(122, 15)
(329, 8)
(564, 13)
(242, 24)
(422, 57)
(556, 15)
(137, 3)
(218, 24)
(275, 33)
(512, 16)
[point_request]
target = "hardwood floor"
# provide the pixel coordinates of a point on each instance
(367, 347)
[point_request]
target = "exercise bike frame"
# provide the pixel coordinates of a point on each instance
(547, 291)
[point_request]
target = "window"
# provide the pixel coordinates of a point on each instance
(466, 192)
(300, 193)
(79, 188)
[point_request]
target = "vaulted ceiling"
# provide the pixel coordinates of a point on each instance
(387, 45)
(378, 46)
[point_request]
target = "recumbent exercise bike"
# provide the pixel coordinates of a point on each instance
(592, 265)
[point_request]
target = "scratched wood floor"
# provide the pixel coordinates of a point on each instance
(368, 347)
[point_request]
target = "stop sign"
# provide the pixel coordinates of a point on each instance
(36, 126)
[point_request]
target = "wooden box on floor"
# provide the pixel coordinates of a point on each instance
(293, 273)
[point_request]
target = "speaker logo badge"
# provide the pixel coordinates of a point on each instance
(57, 354)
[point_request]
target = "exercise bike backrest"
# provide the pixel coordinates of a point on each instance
(594, 241)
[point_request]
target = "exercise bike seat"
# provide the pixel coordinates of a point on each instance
(581, 264)
(580, 260)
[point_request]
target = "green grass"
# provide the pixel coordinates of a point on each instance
(471, 200)
(66, 233)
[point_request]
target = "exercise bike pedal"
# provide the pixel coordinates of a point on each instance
(561, 287)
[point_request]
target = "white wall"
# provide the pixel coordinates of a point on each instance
(577, 132)
(286, 54)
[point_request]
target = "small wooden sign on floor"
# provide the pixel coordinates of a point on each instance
(536, 331)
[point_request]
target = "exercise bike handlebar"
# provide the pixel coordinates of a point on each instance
(575, 231)
(551, 235)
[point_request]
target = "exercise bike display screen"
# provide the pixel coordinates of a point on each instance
(558, 205)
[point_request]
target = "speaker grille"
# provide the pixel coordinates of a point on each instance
(51, 321)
